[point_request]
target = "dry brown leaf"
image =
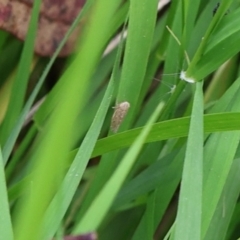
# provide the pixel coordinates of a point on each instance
(60, 10)
(55, 18)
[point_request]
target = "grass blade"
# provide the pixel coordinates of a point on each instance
(142, 18)
(5, 218)
(54, 215)
(20, 83)
(17, 128)
(188, 221)
(229, 197)
(70, 183)
(102, 203)
(217, 165)
(167, 129)
(56, 137)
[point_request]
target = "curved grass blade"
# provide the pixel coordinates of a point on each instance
(220, 222)
(189, 215)
(74, 174)
(142, 19)
(102, 203)
(20, 84)
(17, 128)
(174, 128)
(5, 218)
(159, 174)
(64, 196)
(217, 165)
(56, 137)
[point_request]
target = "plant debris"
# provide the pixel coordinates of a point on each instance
(56, 16)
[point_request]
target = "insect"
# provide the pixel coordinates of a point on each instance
(120, 112)
(216, 8)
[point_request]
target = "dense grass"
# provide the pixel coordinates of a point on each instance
(172, 169)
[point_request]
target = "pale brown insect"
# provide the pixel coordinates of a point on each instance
(120, 112)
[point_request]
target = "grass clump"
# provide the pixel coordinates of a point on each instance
(171, 171)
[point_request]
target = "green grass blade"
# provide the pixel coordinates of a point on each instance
(202, 47)
(189, 12)
(163, 177)
(228, 26)
(3, 39)
(159, 174)
(20, 83)
(70, 183)
(233, 226)
(229, 197)
(146, 227)
(188, 221)
(102, 203)
(142, 18)
(226, 100)
(9, 58)
(166, 130)
(56, 137)
(54, 215)
(217, 165)
(52, 100)
(126, 185)
(5, 219)
(220, 163)
(17, 128)
(209, 63)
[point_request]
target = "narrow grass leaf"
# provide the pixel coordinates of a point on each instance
(9, 59)
(229, 197)
(233, 226)
(142, 19)
(189, 12)
(78, 166)
(217, 165)
(52, 99)
(174, 128)
(191, 71)
(225, 34)
(164, 181)
(5, 218)
(216, 169)
(146, 226)
(20, 83)
(228, 26)
(223, 103)
(102, 203)
(54, 215)
(188, 221)
(213, 58)
(3, 38)
(56, 137)
(19, 123)
(157, 175)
